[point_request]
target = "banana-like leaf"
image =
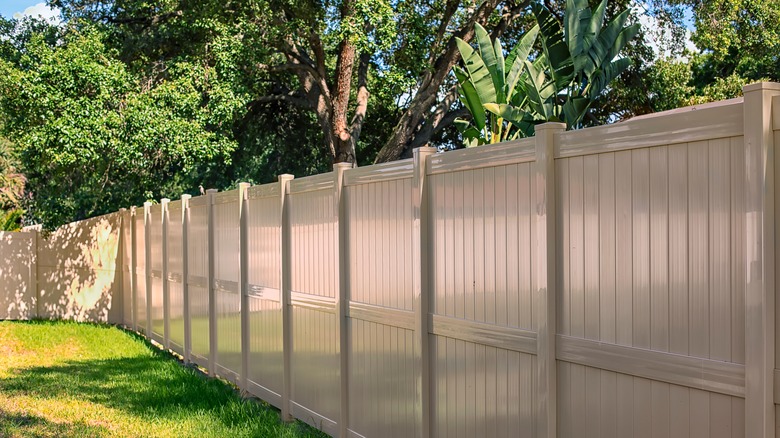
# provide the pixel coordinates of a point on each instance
(554, 47)
(574, 110)
(597, 22)
(539, 91)
(602, 47)
(603, 77)
(499, 79)
(477, 72)
(489, 56)
(516, 117)
(622, 40)
(515, 60)
(470, 98)
(578, 19)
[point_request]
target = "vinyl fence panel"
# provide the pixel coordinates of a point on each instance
(315, 343)
(197, 280)
(175, 276)
(157, 299)
(482, 310)
(382, 372)
(225, 284)
(266, 361)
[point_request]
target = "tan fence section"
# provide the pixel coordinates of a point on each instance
(609, 282)
(18, 275)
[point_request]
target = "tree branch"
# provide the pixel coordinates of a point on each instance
(291, 97)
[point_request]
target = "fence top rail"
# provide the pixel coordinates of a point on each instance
(379, 172)
(174, 205)
(322, 181)
(501, 154)
(393, 170)
(197, 201)
(226, 197)
(271, 190)
(681, 125)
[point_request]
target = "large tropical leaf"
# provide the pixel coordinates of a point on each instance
(477, 72)
(577, 18)
(601, 49)
(490, 57)
(626, 35)
(554, 47)
(521, 120)
(539, 90)
(470, 98)
(516, 59)
(602, 77)
(574, 110)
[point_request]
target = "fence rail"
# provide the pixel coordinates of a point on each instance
(609, 282)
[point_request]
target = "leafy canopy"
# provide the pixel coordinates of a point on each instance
(577, 62)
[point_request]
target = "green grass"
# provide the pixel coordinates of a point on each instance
(89, 380)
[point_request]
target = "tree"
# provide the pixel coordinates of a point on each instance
(91, 138)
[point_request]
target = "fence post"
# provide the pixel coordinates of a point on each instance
(760, 260)
(545, 278)
(185, 273)
(120, 267)
(35, 291)
(342, 294)
(148, 265)
(243, 282)
(421, 288)
(284, 236)
(133, 273)
(166, 286)
(210, 282)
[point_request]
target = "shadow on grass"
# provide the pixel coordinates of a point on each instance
(27, 425)
(148, 386)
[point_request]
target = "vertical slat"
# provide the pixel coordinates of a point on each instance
(678, 249)
(563, 219)
(545, 278)
(210, 227)
(660, 409)
(738, 251)
(421, 290)
(243, 280)
(640, 208)
(185, 230)
(285, 278)
(166, 286)
(659, 249)
(148, 265)
(607, 246)
(134, 265)
(576, 251)
(342, 297)
(698, 247)
(720, 249)
(591, 246)
(624, 250)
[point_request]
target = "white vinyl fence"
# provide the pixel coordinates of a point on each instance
(616, 281)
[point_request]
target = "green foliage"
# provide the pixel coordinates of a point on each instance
(11, 180)
(578, 61)
(11, 220)
(92, 138)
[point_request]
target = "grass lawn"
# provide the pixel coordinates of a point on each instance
(87, 380)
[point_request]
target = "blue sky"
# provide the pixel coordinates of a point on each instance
(9, 7)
